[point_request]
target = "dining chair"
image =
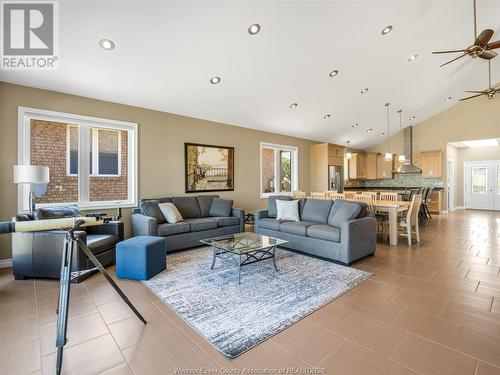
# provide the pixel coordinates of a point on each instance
(334, 196)
(373, 194)
(329, 193)
(317, 195)
(385, 196)
(349, 195)
(409, 224)
(366, 198)
(299, 194)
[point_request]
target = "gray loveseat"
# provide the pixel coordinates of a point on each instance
(204, 216)
(339, 230)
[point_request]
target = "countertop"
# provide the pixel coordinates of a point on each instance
(397, 188)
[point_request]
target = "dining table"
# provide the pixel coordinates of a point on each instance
(392, 208)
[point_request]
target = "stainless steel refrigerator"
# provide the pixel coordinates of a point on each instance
(336, 178)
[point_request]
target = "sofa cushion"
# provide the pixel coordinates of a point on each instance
(205, 202)
(187, 206)
(168, 229)
(226, 221)
(271, 204)
(221, 207)
(56, 212)
(344, 211)
(170, 212)
(201, 224)
(324, 232)
(316, 210)
(298, 228)
(270, 223)
(97, 243)
(149, 207)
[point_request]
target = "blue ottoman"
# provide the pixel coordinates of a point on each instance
(140, 258)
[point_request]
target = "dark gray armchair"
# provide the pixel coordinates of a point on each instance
(38, 254)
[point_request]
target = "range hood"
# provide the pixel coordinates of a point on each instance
(407, 167)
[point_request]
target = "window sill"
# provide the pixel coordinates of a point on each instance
(92, 205)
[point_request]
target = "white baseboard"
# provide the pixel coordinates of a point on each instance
(4, 263)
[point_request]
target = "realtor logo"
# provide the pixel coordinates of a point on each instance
(30, 35)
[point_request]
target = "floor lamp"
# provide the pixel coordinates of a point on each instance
(32, 175)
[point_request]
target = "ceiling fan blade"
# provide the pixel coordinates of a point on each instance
(456, 58)
(469, 97)
(484, 37)
(450, 51)
(487, 54)
(494, 45)
(475, 91)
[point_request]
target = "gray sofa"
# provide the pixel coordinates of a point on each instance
(204, 216)
(339, 230)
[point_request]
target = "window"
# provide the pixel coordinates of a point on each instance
(92, 162)
(479, 180)
(278, 169)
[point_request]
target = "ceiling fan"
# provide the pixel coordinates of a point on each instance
(489, 92)
(481, 47)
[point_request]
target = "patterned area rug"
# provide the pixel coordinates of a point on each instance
(234, 318)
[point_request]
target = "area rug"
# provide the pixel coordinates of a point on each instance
(235, 318)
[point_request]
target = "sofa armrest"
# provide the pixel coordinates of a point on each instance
(143, 225)
(260, 214)
(111, 227)
(240, 214)
(358, 238)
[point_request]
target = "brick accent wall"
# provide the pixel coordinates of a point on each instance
(268, 162)
(49, 148)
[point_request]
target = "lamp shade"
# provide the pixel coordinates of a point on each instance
(31, 174)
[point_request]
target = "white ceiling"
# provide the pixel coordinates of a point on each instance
(166, 52)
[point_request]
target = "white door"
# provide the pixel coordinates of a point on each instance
(482, 185)
(451, 186)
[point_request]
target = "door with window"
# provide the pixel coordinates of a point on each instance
(482, 185)
(278, 169)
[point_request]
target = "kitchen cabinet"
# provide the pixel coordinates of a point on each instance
(384, 167)
(357, 167)
(431, 164)
(436, 203)
(371, 166)
(321, 156)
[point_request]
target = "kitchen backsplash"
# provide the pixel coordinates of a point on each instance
(401, 180)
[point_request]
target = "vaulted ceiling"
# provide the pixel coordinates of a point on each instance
(167, 51)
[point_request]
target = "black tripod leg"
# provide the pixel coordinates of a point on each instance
(62, 309)
(96, 262)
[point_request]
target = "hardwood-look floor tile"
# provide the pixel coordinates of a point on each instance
(369, 333)
(22, 357)
(330, 315)
(488, 289)
(374, 307)
(406, 282)
(352, 359)
(18, 311)
(78, 307)
(422, 302)
(487, 369)
(479, 345)
(307, 341)
(486, 322)
(376, 289)
(427, 326)
(429, 358)
(470, 299)
(123, 369)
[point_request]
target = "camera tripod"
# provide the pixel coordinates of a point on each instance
(72, 243)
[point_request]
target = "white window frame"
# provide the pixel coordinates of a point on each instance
(95, 153)
(84, 123)
(295, 168)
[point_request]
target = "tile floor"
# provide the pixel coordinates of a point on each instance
(430, 309)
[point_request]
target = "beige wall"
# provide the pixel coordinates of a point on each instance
(469, 120)
(161, 147)
(471, 154)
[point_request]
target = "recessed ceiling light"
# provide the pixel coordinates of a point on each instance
(387, 30)
(327, 116)
(412, 57)
(381, 134)
(449, 99)
(254, 29)
(107, 44)
(293, 105)
(333, 73)
(369, 130)
(364, 90)
(355, 125)
(215, 80)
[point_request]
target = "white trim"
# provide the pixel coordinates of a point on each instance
(84, 124)
(6, 263)
(294, 165)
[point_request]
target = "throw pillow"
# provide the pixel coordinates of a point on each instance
(287, 210)
(221, 207)
(150, 207)
(271, 204)
(170, 212)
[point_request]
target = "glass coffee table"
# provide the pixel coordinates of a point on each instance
(243, 249)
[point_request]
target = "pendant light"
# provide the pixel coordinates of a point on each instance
(401, 157)
(348, 154)
(388, 155)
